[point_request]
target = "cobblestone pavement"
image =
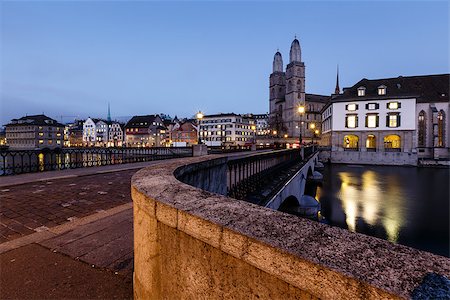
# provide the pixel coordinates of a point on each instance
(31, 207)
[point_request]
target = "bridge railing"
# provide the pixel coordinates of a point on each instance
(27, 161)
(245, 174)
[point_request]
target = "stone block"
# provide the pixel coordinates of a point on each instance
(201, 229)
(166, 214)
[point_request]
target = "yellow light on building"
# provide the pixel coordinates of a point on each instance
(200, 115)
(317, 131)
(301, 109)
(274, 132)
(312, 125)
(285, 136)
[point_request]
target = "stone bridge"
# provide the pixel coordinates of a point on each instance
(191, 240)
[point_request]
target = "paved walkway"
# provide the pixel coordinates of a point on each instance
(67, 234)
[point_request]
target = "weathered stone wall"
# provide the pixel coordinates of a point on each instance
(191, 243)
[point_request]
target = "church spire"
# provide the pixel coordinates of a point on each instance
(337, 90)
(295, 54)
(109, 114)
(277, 62)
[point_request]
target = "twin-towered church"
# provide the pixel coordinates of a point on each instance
(287, 93)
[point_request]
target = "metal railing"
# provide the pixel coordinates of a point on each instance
(27, 161)
(245, 175)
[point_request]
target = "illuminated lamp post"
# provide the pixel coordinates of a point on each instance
(312, 126)
(199, 120)
(301, 111)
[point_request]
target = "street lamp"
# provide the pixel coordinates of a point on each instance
(312, 126)
(199, 120)
(301, 111)
(254, 133)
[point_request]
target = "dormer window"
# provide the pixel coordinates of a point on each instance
(361, 91)
(382, 90)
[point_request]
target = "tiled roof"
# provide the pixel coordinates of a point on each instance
(141, 121)
(427, 88)
(39, 120)
(317, 98)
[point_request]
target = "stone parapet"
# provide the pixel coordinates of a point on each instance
(190, 243)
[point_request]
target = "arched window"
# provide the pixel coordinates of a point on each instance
(371, 142)
(272, 93)
(351, 142)
(441, 129)
(392, 143)
(299, 83)
(422, 129)
(280, 109)
(289, 85)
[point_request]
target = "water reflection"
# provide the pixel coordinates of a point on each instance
(364, 196)
(403, 205)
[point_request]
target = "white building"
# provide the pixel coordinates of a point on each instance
(227, 129)
(397, 120)
(115, 134)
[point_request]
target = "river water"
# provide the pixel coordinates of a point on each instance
(404, 205)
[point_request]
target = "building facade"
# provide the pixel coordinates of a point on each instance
(227, 129)
(34, 132)
(184, 134)
(287, 94)
(403, 115)
(73, 136)
(145, 131)
(115, 134)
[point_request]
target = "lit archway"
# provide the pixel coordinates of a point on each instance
(371, 142)
(392, 142)
(351, 141)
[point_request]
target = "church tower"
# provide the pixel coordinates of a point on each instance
(277, 90)
(295, 91)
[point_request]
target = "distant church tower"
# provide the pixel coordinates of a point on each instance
(287, 92)
(277, 90)
(337, 90)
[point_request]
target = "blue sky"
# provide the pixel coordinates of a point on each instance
(72, 58)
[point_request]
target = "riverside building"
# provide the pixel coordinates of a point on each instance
(34, 132)
(227, 129)
(389, 121)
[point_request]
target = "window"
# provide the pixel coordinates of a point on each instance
(441, 133)
(41, 141)
(372, 120)
(371, 142)
(393, 120)
(393, 105)
(351, 107)
(382, 90)
(351, 141)
(351, 121)
(41, 133)
(392, 142)
(372, 106)
(361, 91)
(422, 129)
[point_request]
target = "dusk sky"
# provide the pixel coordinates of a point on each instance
(72, 58)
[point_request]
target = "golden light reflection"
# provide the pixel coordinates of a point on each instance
(377, 205)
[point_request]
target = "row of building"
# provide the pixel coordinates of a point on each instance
(40, 131)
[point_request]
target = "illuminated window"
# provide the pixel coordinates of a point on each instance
(382, 90)
(351, 107)
(372, 121)
(361, 91)
(351, 141)
(372, 106)
(351, 121)
(41, 133)
(392, 141)
(41, 141)
(371, 141)
(393, 105)
(441, 133)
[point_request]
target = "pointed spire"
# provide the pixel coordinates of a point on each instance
(277, 63)
(295, 53)
(109, 114)
(337, 90)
